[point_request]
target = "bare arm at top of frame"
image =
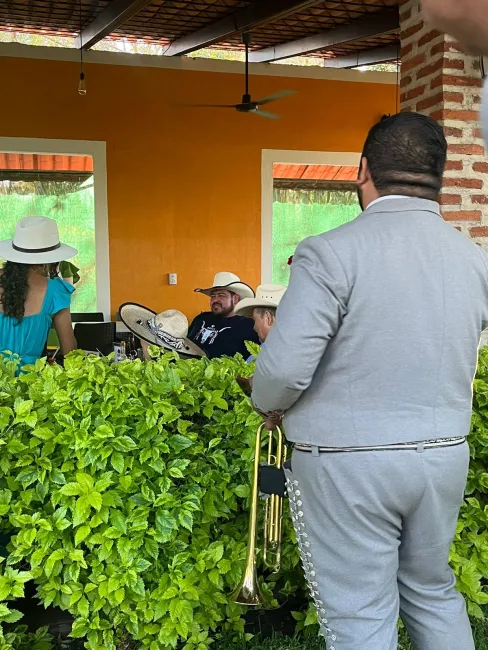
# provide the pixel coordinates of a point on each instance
(308, 316)
(466, 20)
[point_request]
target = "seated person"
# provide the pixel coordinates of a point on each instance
(262, 309)
(220, 331)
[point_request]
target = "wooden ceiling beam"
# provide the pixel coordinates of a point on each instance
(371, 25)
(108, 20)
(245, 20)
(365, 57)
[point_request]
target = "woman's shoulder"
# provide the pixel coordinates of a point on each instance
(59, 287)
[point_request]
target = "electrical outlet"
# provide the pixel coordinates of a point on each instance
(173, 278)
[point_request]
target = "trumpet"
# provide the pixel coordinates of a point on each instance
(248, 592)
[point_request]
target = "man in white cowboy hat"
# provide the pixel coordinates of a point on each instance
(262, 308)
(220, 332)
(168, 329)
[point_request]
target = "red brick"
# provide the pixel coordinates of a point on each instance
(462, 215)
(468, 149)
(438, 48)
(466, 183)
(406, 49)
(428, 102)
(450, 199)
(477, 133)
(427, 38)
(430, 69)
(480, 167)
(480, 199)
(456, 47)
(411, 94)
(479, 231)
(416, 60)
(455, 166)
(405, 15)
(462, 116)
(476, 99)
(458, 228)
(410, 31)
(453, 132)
(453, 64)
(405, 81)
(456, 98)
(455, 80)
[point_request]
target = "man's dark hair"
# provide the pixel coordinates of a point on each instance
(406, 154)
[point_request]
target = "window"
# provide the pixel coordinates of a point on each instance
(308, 200)
(62, 187)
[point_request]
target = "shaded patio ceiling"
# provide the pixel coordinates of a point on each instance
(346, 32)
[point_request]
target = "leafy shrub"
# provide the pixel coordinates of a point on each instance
(124, 491)
(124, 488)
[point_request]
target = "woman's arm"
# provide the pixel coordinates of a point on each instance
(466, 20)
(64, 330)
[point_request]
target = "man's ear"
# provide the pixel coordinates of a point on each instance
(235, 299)
(364, 175)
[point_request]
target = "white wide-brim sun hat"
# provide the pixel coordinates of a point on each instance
(168, 329)
(229, 282)
(267, 295)
(36, 241)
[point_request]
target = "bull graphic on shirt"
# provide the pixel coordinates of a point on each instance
(207, 335)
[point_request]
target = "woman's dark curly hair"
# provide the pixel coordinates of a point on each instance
(14, 282)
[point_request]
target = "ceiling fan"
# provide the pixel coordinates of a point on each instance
(247, 105)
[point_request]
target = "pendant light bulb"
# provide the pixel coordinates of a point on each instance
(82, 84)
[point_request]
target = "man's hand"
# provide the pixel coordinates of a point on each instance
(272, 419)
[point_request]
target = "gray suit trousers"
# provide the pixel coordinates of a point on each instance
(375, 529)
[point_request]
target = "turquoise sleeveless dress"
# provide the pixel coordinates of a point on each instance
(28, 338)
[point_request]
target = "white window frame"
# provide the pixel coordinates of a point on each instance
(271, 157)
(97, 150)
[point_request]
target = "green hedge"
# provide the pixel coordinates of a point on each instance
(124, 489)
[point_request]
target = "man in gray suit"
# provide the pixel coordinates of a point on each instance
(372, 359)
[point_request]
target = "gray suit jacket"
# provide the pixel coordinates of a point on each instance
(376, 338)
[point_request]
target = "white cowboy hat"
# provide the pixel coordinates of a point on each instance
(230, 282)
(267, 295)
(36, 241)
(168, 329)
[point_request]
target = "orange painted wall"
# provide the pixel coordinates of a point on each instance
(184, 185)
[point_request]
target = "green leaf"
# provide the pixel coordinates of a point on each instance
(81, 534)
(165, 523)
(186, 519)
(181, 610)
(117, 462)
(43, 433)
(70, 490)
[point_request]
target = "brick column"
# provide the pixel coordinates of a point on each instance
(439, 80)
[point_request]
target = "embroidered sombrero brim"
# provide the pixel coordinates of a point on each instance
(240, 288)
(137, 317)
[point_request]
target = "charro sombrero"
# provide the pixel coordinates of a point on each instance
(36, 241)
(168, 329)
(267, 295)
(230, 282)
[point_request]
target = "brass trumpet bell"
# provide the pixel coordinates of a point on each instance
(248, 592)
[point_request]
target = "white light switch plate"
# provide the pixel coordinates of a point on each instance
(173, 278)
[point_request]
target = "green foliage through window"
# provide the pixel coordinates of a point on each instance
(300, 213)
(72, 206)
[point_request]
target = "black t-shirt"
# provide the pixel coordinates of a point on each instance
(222, 337)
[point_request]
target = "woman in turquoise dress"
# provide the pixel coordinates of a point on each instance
(31, 303)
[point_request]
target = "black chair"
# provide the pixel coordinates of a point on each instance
(96, 336)
(88, 317)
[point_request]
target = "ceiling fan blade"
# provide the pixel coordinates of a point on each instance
(275, 96)
(206, 106)
(266, 114)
